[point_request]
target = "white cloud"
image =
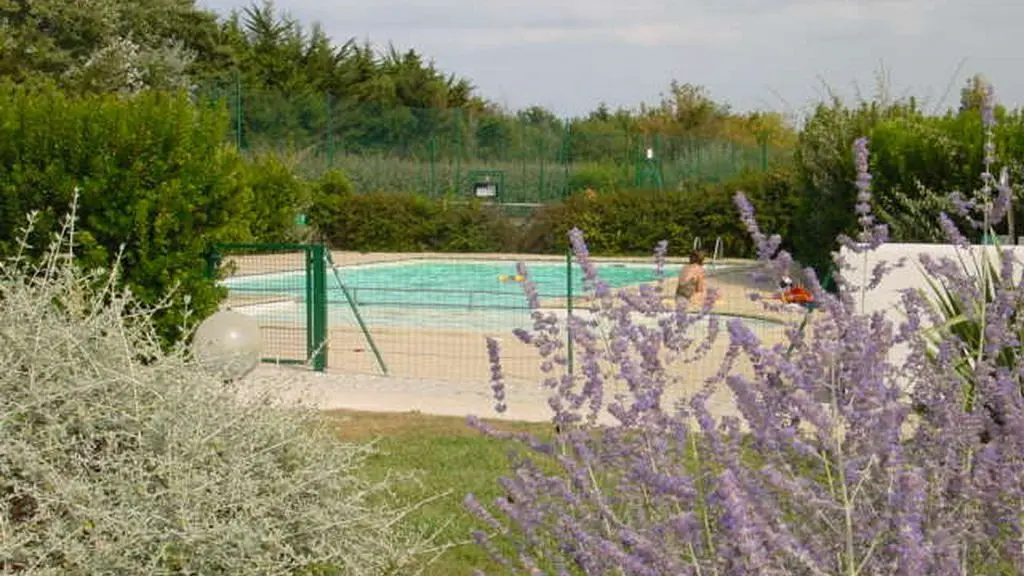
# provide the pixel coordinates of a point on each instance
(701, 34)
(690, 34)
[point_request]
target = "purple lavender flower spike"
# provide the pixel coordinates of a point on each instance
(871, 235)
(497, 374)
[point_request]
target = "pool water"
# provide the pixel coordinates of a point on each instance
(475, 296)
(436, 284)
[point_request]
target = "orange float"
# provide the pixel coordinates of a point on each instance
(797, 295)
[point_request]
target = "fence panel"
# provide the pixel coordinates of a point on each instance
(430, 317)
(438, 152)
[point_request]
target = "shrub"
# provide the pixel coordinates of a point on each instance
(629, 222)
(330, 192)
(916, 159)
(827, 470)
(112, 465)
(394, 222)
(153, 178)
(279, 196)
(620, 222)
(598, 177)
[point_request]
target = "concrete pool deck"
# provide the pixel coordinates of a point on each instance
(446, 372)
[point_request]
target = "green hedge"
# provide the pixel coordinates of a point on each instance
(631, 222)
(153, 176)
(620, 222)
(404, 222)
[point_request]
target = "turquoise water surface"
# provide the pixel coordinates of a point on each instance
(480, 296)
(446, 284)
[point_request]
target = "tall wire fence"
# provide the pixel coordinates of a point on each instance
(530, 158)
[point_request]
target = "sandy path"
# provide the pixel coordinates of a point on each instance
(334, 391)
(526, 401)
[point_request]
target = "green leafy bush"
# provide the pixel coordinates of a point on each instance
(402, 222)
(618, 222)
(153, 176)
(621, 222)
(279, 196)
(914, 156)
(598, 177)
(329, 195)
(110, 465)
(631, 221)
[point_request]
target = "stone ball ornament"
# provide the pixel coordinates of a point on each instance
(228, 345)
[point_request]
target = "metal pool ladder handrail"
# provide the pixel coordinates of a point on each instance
(717, 253)
(696, 243)
(359, 317)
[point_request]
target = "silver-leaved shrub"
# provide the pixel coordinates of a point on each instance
(844, 459)
(116, 458)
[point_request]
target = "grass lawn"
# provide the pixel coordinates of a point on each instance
(447, 455)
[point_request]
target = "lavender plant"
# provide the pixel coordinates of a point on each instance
(117, 458)
(826, 469)
(961, 299)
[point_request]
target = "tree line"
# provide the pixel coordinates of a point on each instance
(292, 84)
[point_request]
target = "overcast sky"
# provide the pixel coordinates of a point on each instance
(568, 55)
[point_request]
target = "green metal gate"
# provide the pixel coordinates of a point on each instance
(284, 286)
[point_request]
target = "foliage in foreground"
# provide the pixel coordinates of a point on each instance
(118, 458)
(866, 463)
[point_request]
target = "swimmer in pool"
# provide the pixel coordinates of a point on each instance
(692, 287)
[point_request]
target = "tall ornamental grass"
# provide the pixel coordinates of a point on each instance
(118, 458)
(844, 459)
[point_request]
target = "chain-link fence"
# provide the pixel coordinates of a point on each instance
(528, 158)
(427, 318)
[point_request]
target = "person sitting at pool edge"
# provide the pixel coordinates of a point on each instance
(691, 279)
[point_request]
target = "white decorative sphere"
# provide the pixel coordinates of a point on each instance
(227, 344)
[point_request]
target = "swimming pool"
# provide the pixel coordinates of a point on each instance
(455, 284)
(467, 295)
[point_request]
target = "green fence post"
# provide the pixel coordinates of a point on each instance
(568, 311)
(238, 110)
(567, 157)
(628, 165)
(541, 149)
(330, 131)
(354, 306)
(523, 156)
(213, 261)
(308, 289)
(316, 306)
(458, 150)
